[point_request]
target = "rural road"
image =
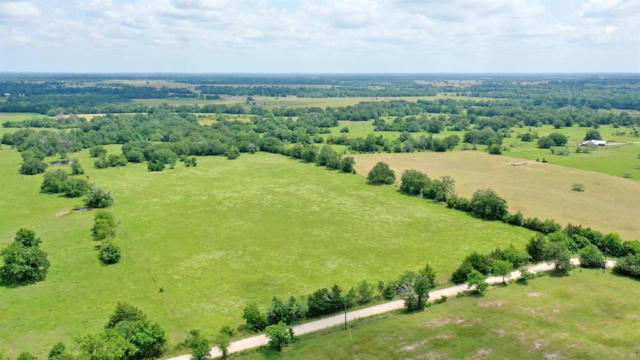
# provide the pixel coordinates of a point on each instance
(316, 325)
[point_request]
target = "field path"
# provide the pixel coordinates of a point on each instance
(336, 320)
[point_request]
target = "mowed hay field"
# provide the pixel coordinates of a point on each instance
(216, 237)
(608, 204)
(587, 315)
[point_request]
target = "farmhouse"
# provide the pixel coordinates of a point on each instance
(594, 143)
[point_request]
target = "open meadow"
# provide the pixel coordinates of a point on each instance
(609, 203)
(200, 243)
(586, 315)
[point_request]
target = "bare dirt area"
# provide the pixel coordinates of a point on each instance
(608, 204)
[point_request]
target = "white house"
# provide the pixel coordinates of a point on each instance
(594, 143)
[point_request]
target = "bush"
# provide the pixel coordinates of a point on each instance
(309, 153)
(441, 189)
(256, 321)
(593, 134)
(459, 203)
(135, 156)
(347, 165)
(536, 248)
(365, 292)
(97, 152)
(414, 288)
(155, 165)
(561, 237)
(23, 261)
(477, 280)
(495, 149)
(32, 166)
(632, 247)
(285, 312)
(27, 238)
(612, 245)
(164, 156)
(117, 160)
(232, 153)
(381, 174)
(98, 198)
(486, 204)
(414, 182)
(104, 225)
(74, 187)
(279, 336)
(109, 253)
(199, 346)
(545, 142)
(559, 254)
(558, 139)
(591, 257)
(577, 187)
(546, 227)
(100, 163)
(76, 168)
(52, 182)
(629, 266)
(514, 219)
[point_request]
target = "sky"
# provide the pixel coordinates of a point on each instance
(332, 36)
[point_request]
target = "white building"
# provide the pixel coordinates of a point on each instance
(594, 143)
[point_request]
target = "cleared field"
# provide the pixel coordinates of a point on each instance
(609, 203)
(5, 116)
(216, 237)
(587, 315)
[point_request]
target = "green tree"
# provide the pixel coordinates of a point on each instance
(75, 187)
(536, 248)
(106, 345)
(488, 205)
(593, 134)
(222, 340)
(560, 255)
(27, 238)
(381, 174)
(347, 165)
(232, 153)
(135, 156)
(52, 181)
(154, 165)
(26, 356)
(476, 280)
(414, 289)
(255, 320)
(97, 152)
(117, 160)
(125, 312)
(32, 166)
(279, 336)
(76, 168)
(104, 225)
(591, 257)
(502, 268)
(98, 198)
(414, 182)
(495, 149)
(23, 264)
(365, 292)
(199, 345)
(109, 253)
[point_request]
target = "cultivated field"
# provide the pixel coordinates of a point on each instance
(216, 237)
(609, 204)
(587, 315)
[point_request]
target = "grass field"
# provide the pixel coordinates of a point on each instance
(587, 315)
(609, 204)
(4, 116)
(216, 237)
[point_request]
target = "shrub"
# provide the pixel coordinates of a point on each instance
(76, 168)
(441, 189)
(309, 153)
(155, 165)
(502, 268)
(109, 253)
(612, 245)
(104, 225)
(365, 292)
(593, 134)
(325, 301)
(75, 187)
(591, 257)
(97, 152)
(558, 139)
(561, 237)
(52, 181)
(477, 280)
(514, 219)
(577, 187)
(285, 312)
(536, 248)
(545, 142)
(517, 257)
(629, 266)
(164, 156)
(135, 156)
(27, 238)
(117, 160)
(495, 149)
(98, 198)
(32, 166)
(347, 165)
(199, 346)
(100, 163)
(279, 336)
(414, 182)
(460, 275)
(459, 203)
(632, 247)
(486, 204)
(546, 227)
(381, 174)
(256, 321)
(559, 254)
(414, 288)
(23, 261)
(326, 156)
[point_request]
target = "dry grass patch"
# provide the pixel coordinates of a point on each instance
(608, 204)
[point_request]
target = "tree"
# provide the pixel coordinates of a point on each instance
(502, 268)
(97, 152)
(232, 153)
(279, 336)
(309, 153)
(101, 163)
(414, 289)
(591, 257)
(76, 168)
(52, 181)
(98, 198)
(326, 156)
(414, 182)
(495, 149)
(347, 165)
(135, 156)
(558, 139)
(23, 261)
(593, 134)
(488, 205)
(254, 318)
(475, 280)
(32, 166)
(104, 225)
(536, 248)
(164, 156)
(155, 165)
(629, 266)
(59, 352)
(117, 160)
(106, 345)
(109, 253)
(441, 189)
(559, 254)
(222, 340)
(27, 238)
(381, 174)
(125, 312)
(75, 187)
(365, 292)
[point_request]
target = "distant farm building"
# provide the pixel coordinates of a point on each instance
(594, 143)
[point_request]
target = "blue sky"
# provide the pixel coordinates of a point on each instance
(320, 36)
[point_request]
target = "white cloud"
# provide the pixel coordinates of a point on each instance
(18, 9)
